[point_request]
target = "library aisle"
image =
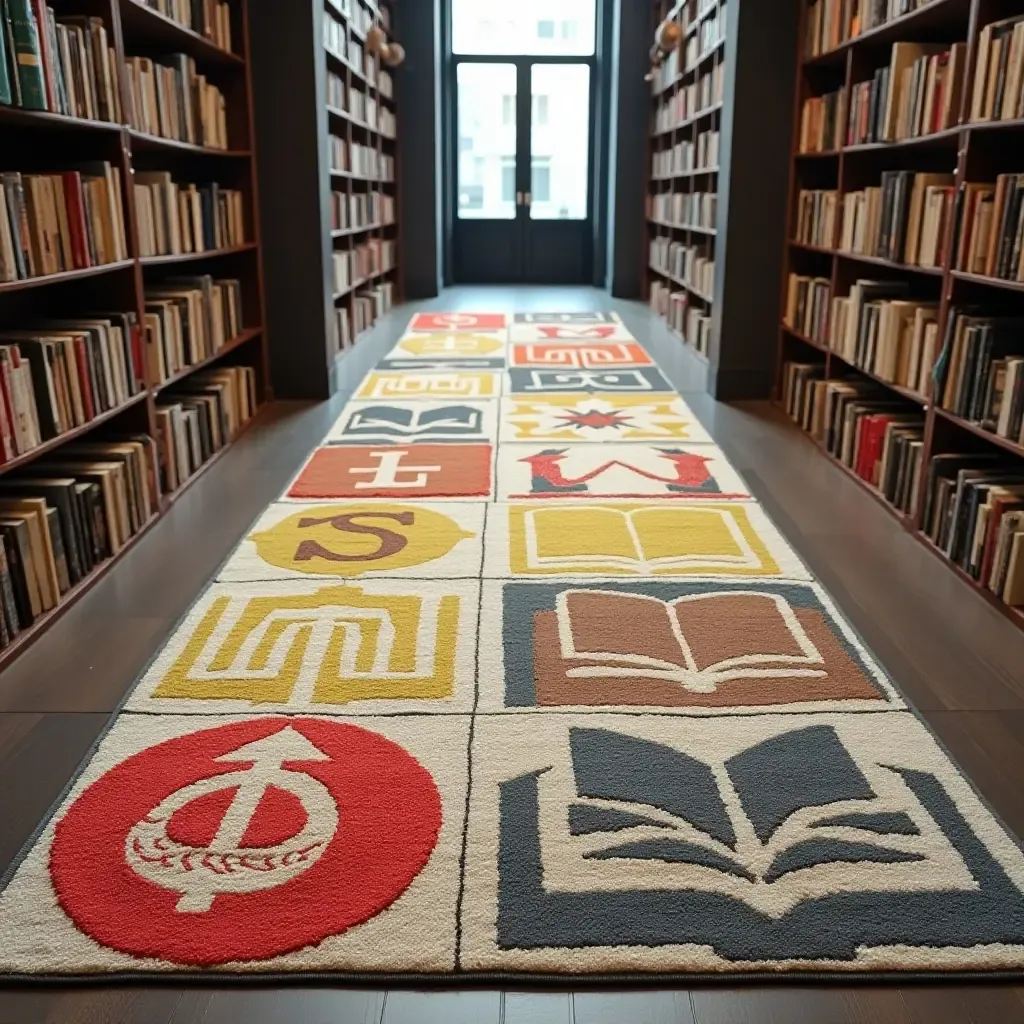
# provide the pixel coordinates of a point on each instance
(928, 629)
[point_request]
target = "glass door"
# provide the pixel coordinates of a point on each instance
(522, 113)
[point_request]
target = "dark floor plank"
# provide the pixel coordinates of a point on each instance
(537, 1008)
(976, 1004)
(442, 1008)
(635, 1007)
(282, 1006)
(38, 755)
(800, 1006)
(89, 1006)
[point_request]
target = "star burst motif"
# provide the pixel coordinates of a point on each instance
(594, 418)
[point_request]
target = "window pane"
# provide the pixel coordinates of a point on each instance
(487, 147)
(560, 141)
(562, 27)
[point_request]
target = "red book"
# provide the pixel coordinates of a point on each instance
(863, 431)
(76, 219)
(84, 378)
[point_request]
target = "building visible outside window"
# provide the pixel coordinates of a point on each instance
(545, 29)
(508, 109)
(508, 181)
(541, 175)
(540, 109)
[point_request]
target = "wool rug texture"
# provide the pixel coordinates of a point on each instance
(515, 679)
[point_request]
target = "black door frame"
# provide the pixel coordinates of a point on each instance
(597, 144)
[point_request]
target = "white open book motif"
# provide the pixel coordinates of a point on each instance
(697, 641)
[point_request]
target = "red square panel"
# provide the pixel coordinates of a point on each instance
(396, 471)
(458, 322)
(579, 356)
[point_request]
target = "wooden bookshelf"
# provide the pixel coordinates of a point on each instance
(361, 112)
(42, 141)
(687, 102)
(970, 151)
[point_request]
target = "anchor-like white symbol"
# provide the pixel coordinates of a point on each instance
(386, 473)
(200, 874)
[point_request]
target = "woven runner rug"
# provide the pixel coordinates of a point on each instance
(515, 679)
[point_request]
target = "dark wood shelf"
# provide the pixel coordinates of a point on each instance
(1005, 443)
(143, 140)
(46, 120)
(947, 138)
(793, 333)
(145, 24)
(685, 174)
(363, 280)
(903, 392)
(877, 261)
(61, 439)
(818, 154)
(807, 247)
(682, 283)
(344, 115)
(229, 346)
(990, 282)
(347, 232)
(64, 276)
(191, 257)
(682, 227)
(352, 176)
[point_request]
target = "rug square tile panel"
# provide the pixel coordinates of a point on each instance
(294, 646)
(249, 844)
(579, 356)
(578, 318)
(405, 472)
(484, 350)
(457, 323)
(355, 540)
(695, 646)
(569, 333)
(768, 843)
(634, 380)
(614, 418)
(632, 539)
(431, 385)
(669, 471)
(419, 422)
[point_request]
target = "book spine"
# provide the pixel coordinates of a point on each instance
(28, 55)
(7, 69)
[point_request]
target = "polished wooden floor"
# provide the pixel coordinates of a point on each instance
(956, 659)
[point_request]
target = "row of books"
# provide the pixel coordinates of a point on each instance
(355, 158)
(816, 217)
(367, 306)
(187, 320)
(352, 266)
(169, 98)
(692, 99)
(50, 223)
(822, 123)
(359, 105)
(200, 417)
(980, 372)
(879, 439)
(352, 211)
(683, 59)
(64, 67)
(991, 237)
(689, 209)
(691, 264)
(998, 89)
(830, 23)
(61, 374)
(357, 14)
(880, 330)
(807, 306)
(692, 323)
(687, 155)
(208, 18)
(974, 513)
(905, 219)
(175, 218)
(64, 515)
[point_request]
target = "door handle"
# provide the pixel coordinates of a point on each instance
(519, 199)
(528, 201)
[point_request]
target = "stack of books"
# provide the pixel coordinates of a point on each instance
(176, 218)
(807, 306)
(830, 23)
(992, 228)
(822, 123)
(65, 67)
(169, 98)
(188, 320)
(200, 417)
(997, 92)
(51, 223)
(816, 217)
